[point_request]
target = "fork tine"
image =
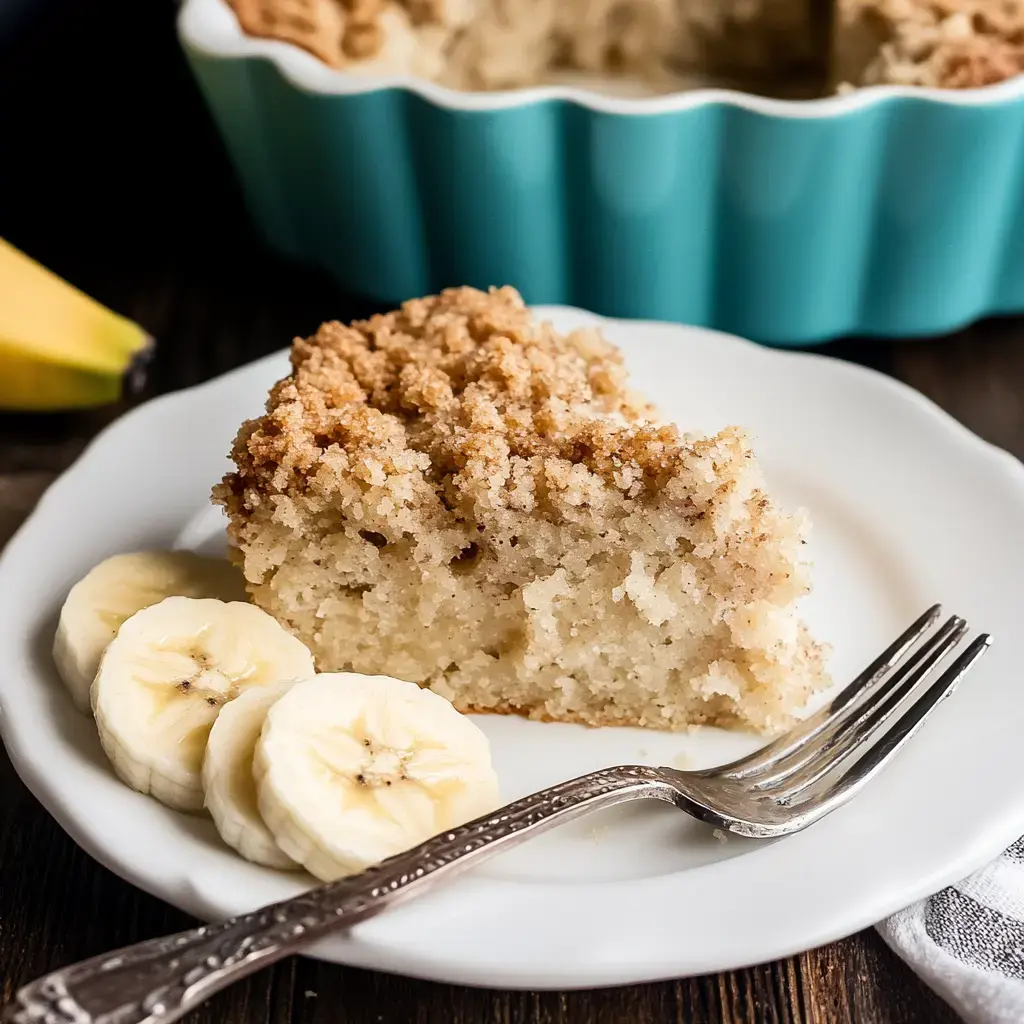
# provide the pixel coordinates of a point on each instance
(814, 724)
(818, 756)
(878, 756)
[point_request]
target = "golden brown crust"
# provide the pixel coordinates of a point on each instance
(338, 32)
(952, 44)
(609, 717)
(980, 61)
(315, 25)
(462, 386)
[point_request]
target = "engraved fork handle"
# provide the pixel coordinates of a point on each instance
(160, 980)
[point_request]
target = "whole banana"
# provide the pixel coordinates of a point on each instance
(60, 349)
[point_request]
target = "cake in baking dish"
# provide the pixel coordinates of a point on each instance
(783, 47)
(459, 495)
(954, 44)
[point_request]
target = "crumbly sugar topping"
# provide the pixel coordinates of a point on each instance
(953, 44)
(493, 44)
(337, 31)
(482, 44)
(466, 391)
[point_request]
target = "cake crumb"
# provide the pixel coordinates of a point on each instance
(656, 46)
(454, 493)
(949, 44)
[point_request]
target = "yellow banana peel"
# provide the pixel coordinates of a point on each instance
(60, 349)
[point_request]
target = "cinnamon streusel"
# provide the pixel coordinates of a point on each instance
(457, 494)
(780, 47)
(953, 44)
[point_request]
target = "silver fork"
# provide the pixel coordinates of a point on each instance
(782, 788)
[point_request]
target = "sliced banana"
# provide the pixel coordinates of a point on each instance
(164, 678)
(227, 776)
(352, 769)
(118, 588)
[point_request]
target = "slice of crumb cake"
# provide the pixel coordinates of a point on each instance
(458, 495)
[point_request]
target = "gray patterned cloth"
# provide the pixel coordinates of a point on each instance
(967, 942)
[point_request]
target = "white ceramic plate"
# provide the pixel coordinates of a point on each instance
(909, 509)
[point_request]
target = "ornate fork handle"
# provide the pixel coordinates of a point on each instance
(158, 981)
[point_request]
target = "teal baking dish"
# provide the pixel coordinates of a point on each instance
(889, 211)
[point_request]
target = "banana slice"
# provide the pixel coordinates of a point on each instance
(164, 678)
(118, 588)
(352, 769)
(227, 776)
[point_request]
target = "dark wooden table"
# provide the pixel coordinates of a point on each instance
(111, 175)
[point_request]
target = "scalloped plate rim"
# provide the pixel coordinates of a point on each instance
(367, 946)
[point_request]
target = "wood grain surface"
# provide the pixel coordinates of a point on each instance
(112, 175)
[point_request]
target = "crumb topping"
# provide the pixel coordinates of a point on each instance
(473, 44)
(953, 44)
(337, 31)
(657, 45)
(466, 391)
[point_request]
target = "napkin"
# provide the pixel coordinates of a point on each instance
(967, 942)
